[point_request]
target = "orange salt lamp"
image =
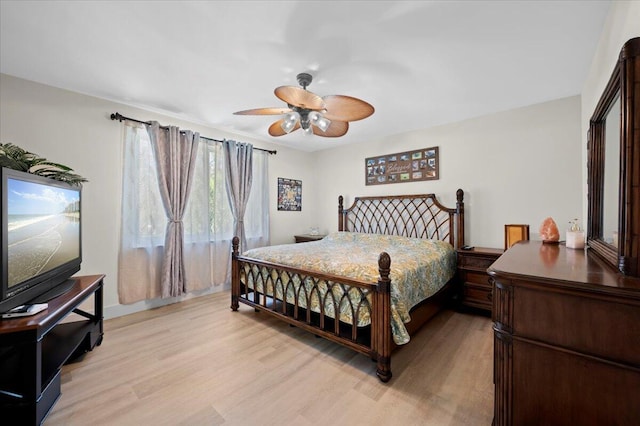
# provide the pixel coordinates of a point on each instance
(549, 231)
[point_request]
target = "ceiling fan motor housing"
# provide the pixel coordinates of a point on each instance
(304, 79)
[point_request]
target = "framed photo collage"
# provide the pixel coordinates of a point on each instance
(409, 166)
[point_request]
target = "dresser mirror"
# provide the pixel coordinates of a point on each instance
(614, 166)
(611, 175)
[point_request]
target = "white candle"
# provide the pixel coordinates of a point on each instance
(575, 239)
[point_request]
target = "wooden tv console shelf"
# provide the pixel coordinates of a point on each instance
(33, 350)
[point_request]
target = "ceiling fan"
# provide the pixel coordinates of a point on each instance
(327, 116)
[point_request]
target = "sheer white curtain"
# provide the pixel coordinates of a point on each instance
(256, 217)
(208, 222)
(143, 220)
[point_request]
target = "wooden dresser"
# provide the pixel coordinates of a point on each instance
(566, 339)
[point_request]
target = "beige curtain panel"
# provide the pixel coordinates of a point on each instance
(239, 166)
(175, 155)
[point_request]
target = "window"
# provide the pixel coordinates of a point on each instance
(207, 215)
(207, 220)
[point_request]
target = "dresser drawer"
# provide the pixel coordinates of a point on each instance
(477, 295)
(478, 278)
(475, 262)
(584, 324)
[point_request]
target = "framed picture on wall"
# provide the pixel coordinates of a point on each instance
(289, 195)
(410, 166)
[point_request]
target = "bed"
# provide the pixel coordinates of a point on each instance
(369, 286)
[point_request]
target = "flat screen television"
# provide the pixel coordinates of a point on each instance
(41, 238)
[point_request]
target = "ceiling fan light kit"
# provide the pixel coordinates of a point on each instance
(319, 121)
(327, 116)
(289, 121)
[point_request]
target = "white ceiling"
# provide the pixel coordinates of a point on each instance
(419, 63)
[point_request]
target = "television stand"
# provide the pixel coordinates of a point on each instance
(33, 350)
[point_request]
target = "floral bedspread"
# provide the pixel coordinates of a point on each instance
(419, 268)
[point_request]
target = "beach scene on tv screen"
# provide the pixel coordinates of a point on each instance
(43, 228)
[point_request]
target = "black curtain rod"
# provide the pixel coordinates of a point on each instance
(120, 117)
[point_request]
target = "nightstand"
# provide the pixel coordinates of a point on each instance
(476, 289)
(305, 238)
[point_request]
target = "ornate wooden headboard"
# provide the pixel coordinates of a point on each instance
(417, 216)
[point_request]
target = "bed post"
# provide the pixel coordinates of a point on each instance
(340, 214)
(235, 274)
(460, 217)
(383, 310)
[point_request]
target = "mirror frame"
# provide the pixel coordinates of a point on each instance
(625, 85)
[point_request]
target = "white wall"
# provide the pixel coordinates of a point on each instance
(517, 166)
(622, 24)
(75, 130)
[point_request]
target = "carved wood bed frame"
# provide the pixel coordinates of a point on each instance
(417, 216)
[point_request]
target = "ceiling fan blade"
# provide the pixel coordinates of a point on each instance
(264, 111)
(299, 97)
(346, 108)
(336, 129)
(276, 128)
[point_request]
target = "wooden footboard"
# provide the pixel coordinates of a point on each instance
(265, 286)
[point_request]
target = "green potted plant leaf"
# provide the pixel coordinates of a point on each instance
(16, 158)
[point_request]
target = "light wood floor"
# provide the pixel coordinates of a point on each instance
(199, 363)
